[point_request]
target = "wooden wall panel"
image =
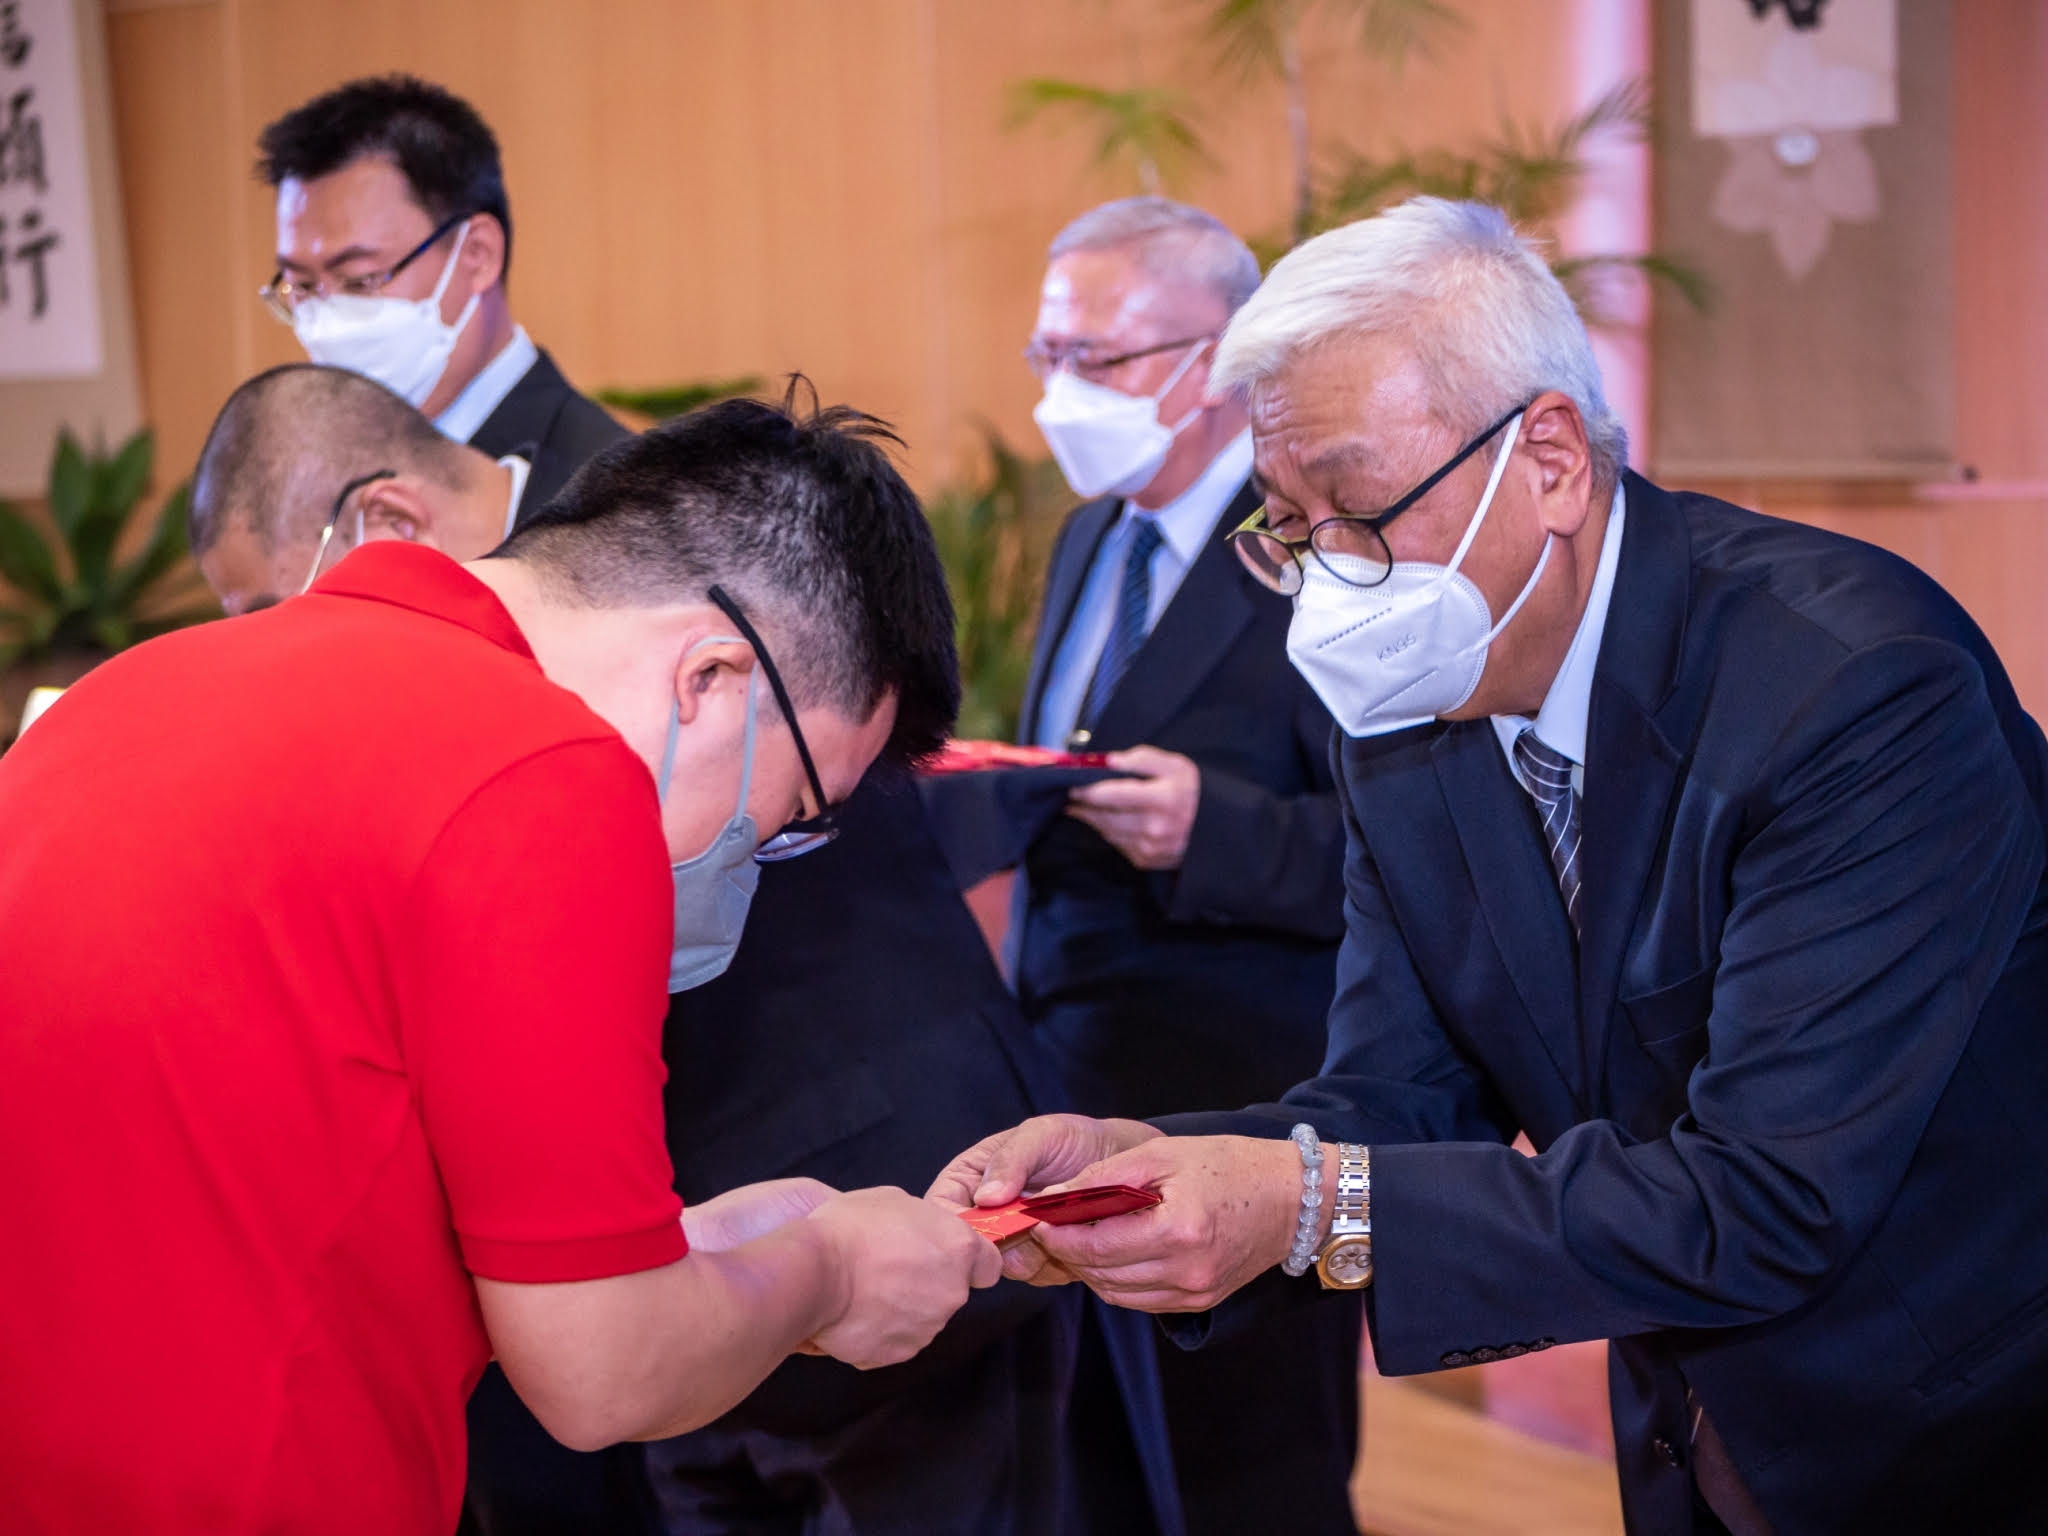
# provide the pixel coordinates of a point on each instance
(703, 187)
(706, 188)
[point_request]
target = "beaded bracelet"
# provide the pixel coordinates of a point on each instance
(1308, 1224)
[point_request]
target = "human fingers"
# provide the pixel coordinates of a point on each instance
(1226, 1213)
(909, 1267)
(999, 1168)
(1120, 794)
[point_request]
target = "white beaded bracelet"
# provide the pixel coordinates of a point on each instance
(1309, 1223)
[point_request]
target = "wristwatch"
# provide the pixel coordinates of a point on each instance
(1345, 1264)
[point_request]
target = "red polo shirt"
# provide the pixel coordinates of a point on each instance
(333, 959)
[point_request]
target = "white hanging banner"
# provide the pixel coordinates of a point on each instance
(49, 274)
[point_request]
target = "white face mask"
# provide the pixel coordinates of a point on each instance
(1406, 651)
(1109, 443)
(401, 343)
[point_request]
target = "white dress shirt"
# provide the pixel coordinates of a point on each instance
(487, 391)
(1561, 722)
(1185, 524)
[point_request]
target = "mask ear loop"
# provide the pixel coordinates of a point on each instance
(447, 273)
(1174, 378)
(675, 728)
(1500, 464)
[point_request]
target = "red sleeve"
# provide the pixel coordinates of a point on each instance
(531, 1010)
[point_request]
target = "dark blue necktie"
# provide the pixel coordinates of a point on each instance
(1547, 774)
(1127, 631)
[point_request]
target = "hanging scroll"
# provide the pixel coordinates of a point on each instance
(1802, 166)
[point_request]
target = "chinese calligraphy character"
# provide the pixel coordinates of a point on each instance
(21, 145)
(1803, 14)
(32, 244)
(14, 43)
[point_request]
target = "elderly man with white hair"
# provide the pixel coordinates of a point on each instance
(1705, 849)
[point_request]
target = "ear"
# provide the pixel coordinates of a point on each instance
(483, 253)
(1554, 436)
(397, 509)
(707, 671)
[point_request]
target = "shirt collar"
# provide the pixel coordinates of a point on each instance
(426, 581)
(1561, 722)
(1187, 521)
(487, 391)
(520, 470)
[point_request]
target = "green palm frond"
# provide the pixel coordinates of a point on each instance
(1150, 124)
(663, 401)
(995, 538)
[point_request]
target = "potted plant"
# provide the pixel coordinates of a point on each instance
(73, 602)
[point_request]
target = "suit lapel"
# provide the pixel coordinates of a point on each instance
(1516, 890)
(526, 415)
(1632, 768)
(1091, 523)
(1209, 611)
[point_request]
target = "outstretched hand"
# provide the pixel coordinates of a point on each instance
(1227, 1213)
(1047, 1150)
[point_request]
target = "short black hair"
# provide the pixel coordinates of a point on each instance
(445, 151)
(288, 440)
(798, 513)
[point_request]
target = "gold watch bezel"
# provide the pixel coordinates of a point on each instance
(1344, 1243)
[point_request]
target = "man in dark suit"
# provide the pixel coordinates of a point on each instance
(1173, 937)
(1705, 849)
(394, 238)
(863, 1031)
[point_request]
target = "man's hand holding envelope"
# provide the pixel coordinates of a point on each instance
(1226, 1207)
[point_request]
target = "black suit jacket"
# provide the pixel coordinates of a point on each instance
(1162, 991)
(1789, 1090)
(548, 424)
(863, 1035)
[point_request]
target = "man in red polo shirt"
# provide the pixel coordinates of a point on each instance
(337, 942)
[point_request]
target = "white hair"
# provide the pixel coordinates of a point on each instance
(1470, 299)
(1173, 242)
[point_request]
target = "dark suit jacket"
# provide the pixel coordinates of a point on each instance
(1790, 1089)
(864, 1036)
(548, 424)
(1165, 991)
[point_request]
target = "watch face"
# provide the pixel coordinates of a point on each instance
(1347, 1264)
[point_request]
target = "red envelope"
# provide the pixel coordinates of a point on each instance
(1097, 1204)
(999, 1223)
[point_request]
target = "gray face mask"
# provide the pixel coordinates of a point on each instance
(714, 889)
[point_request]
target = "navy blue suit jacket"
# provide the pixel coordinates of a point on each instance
(863, 1035)
(1789, 1091)
(1207, 984)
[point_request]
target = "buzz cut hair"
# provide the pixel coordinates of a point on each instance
(286, 443)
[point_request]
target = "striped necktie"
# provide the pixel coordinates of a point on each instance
(1133, 617)
(1546, 774)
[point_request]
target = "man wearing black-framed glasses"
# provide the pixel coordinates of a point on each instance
(1707, 850)
(381, 1056)
(394, 237)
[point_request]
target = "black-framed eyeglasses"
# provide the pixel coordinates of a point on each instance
(281, 295)
(806, 834)
(1276, 560)
(334, 517)
(1045, 361)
